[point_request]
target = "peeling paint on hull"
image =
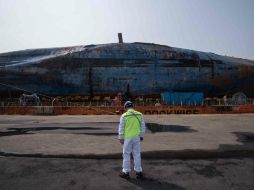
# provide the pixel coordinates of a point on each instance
(110, 68)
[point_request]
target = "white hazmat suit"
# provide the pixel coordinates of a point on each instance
(131, 145)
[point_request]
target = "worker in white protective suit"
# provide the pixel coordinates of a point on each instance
(131, 131)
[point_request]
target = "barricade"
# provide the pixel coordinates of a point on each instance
(113, 110)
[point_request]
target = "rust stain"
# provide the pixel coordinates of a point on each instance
(246, 71)
(220, 81)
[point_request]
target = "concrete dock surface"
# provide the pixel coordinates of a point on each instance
(100, 174)
(82, 152)
(167, 136)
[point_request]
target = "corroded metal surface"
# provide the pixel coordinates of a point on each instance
(111, 68)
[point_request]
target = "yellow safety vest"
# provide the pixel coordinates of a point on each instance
(132, 124)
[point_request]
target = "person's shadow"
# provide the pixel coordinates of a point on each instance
(153, 184)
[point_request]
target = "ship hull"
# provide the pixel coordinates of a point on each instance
(84, 72)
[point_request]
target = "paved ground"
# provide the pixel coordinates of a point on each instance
(51, 152)
(96, 136)
(81, 174)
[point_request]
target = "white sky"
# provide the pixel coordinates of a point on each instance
(225, 27)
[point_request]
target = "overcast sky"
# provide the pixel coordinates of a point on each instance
(225, 27)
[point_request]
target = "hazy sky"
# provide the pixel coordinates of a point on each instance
(225, 27)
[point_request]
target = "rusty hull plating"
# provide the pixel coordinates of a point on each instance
(111, 68)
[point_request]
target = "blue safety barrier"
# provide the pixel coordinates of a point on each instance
(183, 98)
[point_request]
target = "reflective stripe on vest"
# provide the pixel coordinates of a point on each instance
(132, 124)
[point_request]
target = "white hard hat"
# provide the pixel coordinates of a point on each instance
(128, 104)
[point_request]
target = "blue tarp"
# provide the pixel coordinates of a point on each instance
(183, 98)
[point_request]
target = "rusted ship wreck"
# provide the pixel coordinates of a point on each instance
(141, 68)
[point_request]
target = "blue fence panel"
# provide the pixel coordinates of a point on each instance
(183, 98)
